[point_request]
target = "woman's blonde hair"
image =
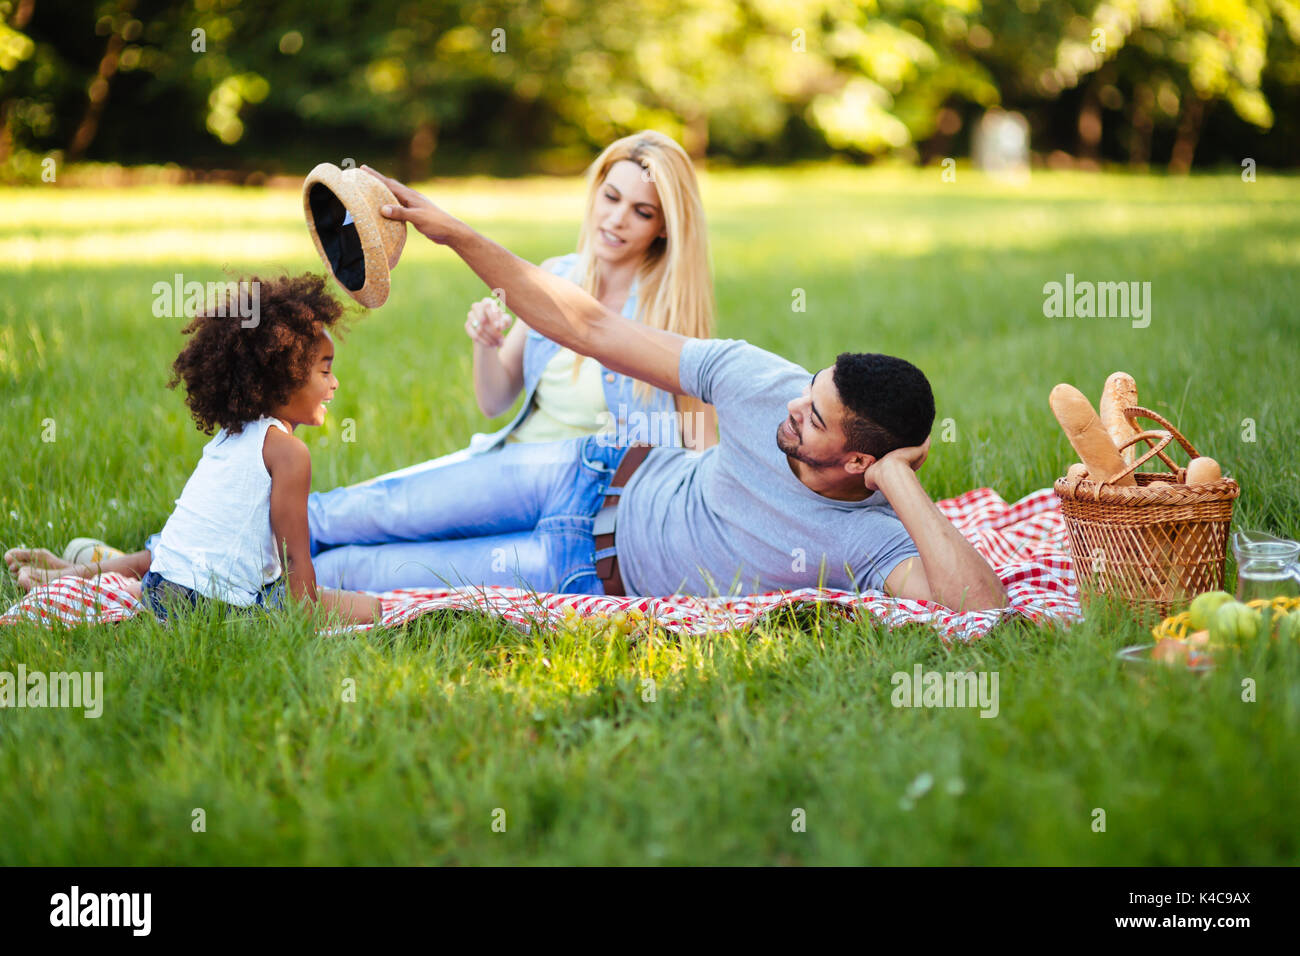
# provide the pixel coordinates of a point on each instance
(674, 282)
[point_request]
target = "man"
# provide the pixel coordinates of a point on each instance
(813, 482)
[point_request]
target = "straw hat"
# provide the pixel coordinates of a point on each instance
(358, 244)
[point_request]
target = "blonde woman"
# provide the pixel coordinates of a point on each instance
(642, 251)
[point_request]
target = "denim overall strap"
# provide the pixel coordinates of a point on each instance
(631, 418)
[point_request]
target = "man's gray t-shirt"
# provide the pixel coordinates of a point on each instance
(734, 518)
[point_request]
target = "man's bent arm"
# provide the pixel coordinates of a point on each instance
(565, 313)
(955, 574)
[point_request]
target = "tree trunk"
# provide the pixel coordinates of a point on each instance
(1089, 124)
(419, 151)
(696, 136)
(6, 138)
(98, 91)
(1189, 133)
(1139, 150)
(21, 15)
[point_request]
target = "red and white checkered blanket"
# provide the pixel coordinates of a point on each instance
(1026, 543)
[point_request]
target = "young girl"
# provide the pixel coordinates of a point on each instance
(243, 512)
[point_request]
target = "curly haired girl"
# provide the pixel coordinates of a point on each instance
(245, 505)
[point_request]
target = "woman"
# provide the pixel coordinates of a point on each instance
(642, 251)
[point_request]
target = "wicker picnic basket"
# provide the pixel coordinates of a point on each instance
(1150, 547)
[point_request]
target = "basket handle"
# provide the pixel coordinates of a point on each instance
(1158, 440)
(1137, 411)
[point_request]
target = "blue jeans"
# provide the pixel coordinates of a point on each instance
(521, 517)
(160, 595)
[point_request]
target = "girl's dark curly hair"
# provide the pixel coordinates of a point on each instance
(234, 375)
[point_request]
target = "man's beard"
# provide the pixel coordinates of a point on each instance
(791, 447)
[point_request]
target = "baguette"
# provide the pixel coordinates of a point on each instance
(1120, 392)
(1084, 429)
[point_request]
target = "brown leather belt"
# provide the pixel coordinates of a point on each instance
(607, 568)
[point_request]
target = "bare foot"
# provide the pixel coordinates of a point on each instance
(30, 576)
(18, 558)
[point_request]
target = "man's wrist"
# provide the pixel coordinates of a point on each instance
(895, 468)
(890, 471)
(456, 235)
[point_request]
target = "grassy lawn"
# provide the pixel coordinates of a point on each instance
(457, 718)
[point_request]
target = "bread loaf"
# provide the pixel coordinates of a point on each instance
(1120, 392)
(1202, 471)
(1189, 545)
(1084, 430)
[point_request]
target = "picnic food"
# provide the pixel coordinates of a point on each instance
(1090, 439)
(1161, 535)
(1203, 608)
(1234, 622)
(1202, 471)
(1175, 653)
(1077, 470)
(1119, 392)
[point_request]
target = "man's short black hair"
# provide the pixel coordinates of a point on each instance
(889, 401)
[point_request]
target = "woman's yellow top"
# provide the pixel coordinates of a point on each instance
(563, 408)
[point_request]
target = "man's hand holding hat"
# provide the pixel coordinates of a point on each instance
(417, 209)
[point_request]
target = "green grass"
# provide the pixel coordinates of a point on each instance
(455, 717)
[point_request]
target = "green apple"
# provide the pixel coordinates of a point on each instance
(1235, 622)
(1203, 608)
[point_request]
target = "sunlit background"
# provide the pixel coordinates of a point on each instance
(247, 90)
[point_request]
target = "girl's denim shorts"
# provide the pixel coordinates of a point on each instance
(162, 596)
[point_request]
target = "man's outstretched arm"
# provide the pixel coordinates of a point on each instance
(951, 571)
(552, 305)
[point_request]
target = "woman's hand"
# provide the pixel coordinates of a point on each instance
(416, 209)
(487, 324)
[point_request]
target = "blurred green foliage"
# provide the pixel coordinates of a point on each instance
(503, 86)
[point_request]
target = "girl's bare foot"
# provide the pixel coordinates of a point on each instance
(30, 576)
(18, 558)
